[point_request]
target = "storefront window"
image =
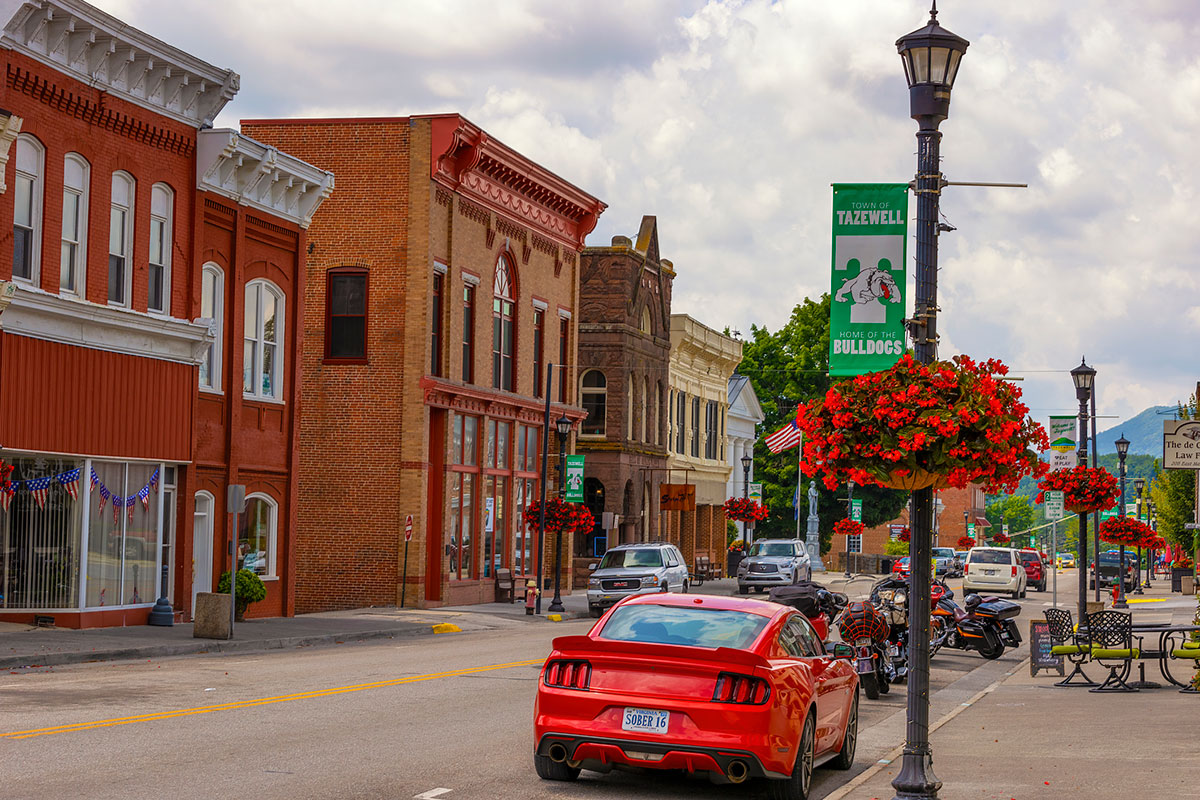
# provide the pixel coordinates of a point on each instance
(256, 537)
(122, 559)
(39, 557)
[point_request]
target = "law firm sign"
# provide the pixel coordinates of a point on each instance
(1181, 444)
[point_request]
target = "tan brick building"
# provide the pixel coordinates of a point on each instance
(442, 280)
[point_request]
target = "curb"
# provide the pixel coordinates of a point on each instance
(205, 646)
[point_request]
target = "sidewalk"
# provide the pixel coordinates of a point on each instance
(1022, 737)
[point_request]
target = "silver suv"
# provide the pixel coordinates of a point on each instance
(630, 569)
(774, 562)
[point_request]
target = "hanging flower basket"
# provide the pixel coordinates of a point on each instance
(916, 426)
(1001, 539)
(965, 543)
(905, 535)
(1157, 543)
(743, 510)
(1127, 531)
(560, 516)
(847, 527)
(1084, 488)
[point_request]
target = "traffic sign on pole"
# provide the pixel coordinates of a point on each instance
(408, 528)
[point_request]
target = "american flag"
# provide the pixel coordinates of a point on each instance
(70, 482)
(6, 495)
(144, 495)
(39, 488)
(785, 438)
(104, 495)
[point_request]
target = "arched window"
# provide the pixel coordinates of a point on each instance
(212, 308)
(646, 319)
(162, 222)
(262, 367)
(27, 210)
(202, 545)
(503, 330)
(257, 535)
(593, 393)
(72, 278)
(120, 238)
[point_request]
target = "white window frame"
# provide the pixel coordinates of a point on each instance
(31, 166)
(162, 210)
(78, 268)
(588, 391)
(254, 293)
(272, 535)
(127, 288)
(216, 324)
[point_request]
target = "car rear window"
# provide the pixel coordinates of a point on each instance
(694, 627)
(647, 557)
(772, 549)
(943, 552)
(1030, 558)
(990, 557)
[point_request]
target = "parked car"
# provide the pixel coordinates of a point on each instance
(1108, 570)
(994, 569)
(630, 569)
(961, 555)
(774, 562)
(944, 563)
(1035, 569)
(1066, 560)
(728, 687)
(901, 568)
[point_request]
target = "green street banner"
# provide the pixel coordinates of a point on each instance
(1061, 432)
(870, 240)
(574, 479)
(755, 492)
(856, 510)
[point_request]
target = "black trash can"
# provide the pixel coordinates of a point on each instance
(885, 566)
(735, 558)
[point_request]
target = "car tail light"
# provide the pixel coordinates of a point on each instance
(742, 689)
(1014, 574)
(569, 674)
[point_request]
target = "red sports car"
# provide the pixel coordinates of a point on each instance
(901, 568)
(732, 687)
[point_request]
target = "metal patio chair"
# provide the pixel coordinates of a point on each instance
(1111, 636)
(1069, 643)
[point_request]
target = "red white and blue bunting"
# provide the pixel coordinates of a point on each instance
(69, 481)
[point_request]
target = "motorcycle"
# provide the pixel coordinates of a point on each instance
(865, 627)
(890, 595)
(814, 601)
(986, 625)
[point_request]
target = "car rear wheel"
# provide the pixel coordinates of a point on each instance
(798, 786)
(845, 759)
(549, 770)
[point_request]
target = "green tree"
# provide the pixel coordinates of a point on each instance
(1014, 510)
(786, 368)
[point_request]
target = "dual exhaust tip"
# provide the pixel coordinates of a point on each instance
(736, 772)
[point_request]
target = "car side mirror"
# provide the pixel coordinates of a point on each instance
(842, 650)
(592, 567)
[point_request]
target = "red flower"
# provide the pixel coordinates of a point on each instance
(745, 510)
(965, 543)
(1084, 488)
(847, 527)
(1001, 538)
(1127, 531)
(560, 516)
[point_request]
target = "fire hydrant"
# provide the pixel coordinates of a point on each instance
(1116, 593)
(531, 593)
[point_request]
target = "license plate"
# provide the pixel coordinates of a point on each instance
(644, 720)
(893, 650)
(989, 572)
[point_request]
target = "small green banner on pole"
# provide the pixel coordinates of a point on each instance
(856, 510)
(755, 492)
(971, 529)
(866, 317)
(574, 492)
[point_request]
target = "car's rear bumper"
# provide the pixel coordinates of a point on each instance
(599, 751)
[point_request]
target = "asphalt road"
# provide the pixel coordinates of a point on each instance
(448, 717)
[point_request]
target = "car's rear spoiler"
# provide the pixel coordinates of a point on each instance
(727, 656)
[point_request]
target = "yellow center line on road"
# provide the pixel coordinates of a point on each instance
(187, 712)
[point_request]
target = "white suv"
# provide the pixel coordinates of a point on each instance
(630, 569)
(994, 569)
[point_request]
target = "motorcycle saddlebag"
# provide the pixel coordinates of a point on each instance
(802, 597)
(995, 608)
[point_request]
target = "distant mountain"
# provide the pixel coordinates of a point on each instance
(1144, 432)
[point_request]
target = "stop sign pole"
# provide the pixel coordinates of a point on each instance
(407, 539)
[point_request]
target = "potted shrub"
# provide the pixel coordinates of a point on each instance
(737, 551)
(250, 589)
(1179, 568)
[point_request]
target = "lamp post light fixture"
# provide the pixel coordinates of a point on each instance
(1139, 486)
(563, 425)
(1084, 377)
(1122, 451)
(747, 461)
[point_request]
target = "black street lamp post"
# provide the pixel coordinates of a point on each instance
(931, 57)
(746, 462)
(1122, 451)
(1139, 485)
(563, 424)
(1083, 377)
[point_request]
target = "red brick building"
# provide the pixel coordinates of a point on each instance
(443, 278)
(150, 261)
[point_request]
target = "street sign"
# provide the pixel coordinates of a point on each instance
(1054, 504)
(1191, 526)
(856, 510)
(408, 528)
(755, 492)
(1181, 444)
(574, 479)
(677, 497)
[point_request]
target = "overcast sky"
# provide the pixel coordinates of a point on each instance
(729, 120)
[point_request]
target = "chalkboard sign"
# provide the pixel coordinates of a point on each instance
(1040, 644)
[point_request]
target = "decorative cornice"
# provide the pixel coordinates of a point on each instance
(32, 312)
(9, 128)
(444, 394)
(82, 41)
(258, 175)
(465, 158)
